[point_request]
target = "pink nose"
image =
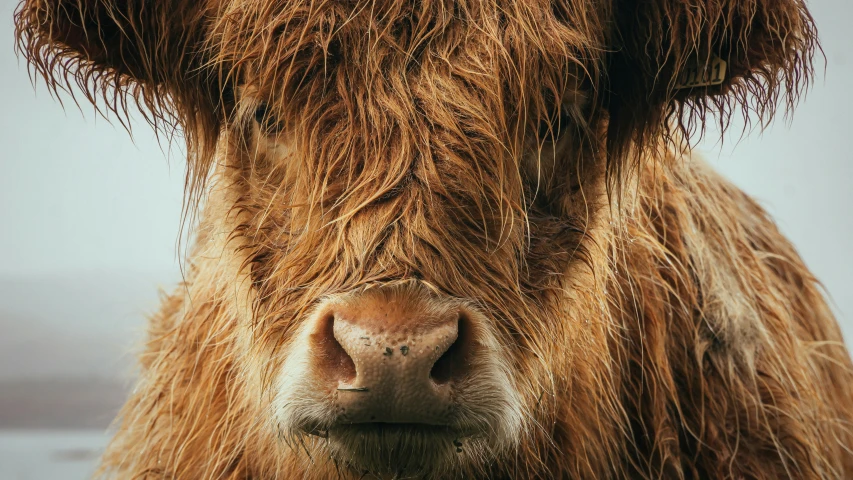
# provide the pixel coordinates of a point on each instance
(392, 358)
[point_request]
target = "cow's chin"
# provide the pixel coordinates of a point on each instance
(406, 450)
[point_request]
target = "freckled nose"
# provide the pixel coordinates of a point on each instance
(392, 360)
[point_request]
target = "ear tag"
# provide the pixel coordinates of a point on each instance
(695, 75)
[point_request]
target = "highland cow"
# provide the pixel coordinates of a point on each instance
(465, 239)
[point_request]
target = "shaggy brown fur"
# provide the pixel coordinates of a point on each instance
(519, 155)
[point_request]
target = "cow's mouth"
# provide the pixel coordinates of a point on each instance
(385, 428)
(380, 427)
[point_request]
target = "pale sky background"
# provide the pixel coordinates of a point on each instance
(89, 219)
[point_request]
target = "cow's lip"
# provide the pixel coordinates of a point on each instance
(395, 426)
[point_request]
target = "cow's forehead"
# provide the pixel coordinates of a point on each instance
(498, 46)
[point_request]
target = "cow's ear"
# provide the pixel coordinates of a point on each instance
(123, 51)
(677, 63)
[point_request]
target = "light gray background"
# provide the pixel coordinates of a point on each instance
(89, 222)
(89, 219)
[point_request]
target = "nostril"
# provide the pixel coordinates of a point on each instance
(454, 362)
(333, 360)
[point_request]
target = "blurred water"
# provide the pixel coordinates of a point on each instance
(50, 455)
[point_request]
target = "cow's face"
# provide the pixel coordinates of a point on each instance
(408, 212)
(414, 195)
